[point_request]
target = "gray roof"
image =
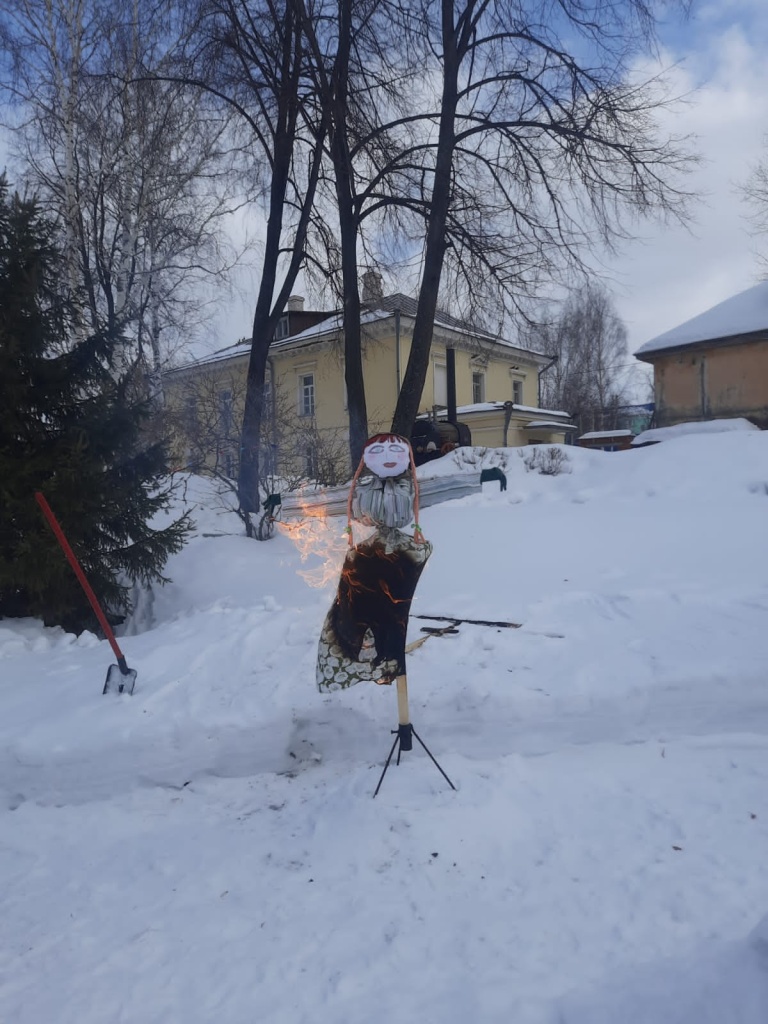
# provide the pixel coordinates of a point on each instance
(372, 311)
(407, 305)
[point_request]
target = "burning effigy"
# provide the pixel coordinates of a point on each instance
(364, 634)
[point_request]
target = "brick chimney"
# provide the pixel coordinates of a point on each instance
(295, 303)
(373, 286)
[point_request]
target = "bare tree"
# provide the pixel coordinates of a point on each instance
(110, 151)
(542, 144)
(307, 82)
(250, 57)
(755, 193)
(205, 422)
(360, 74)
(588, 341)
(332, 53)
(522, 160)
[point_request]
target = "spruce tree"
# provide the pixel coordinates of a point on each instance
(71, 426)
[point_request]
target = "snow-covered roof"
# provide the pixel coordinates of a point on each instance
(656, 434)
(465, 410)
(479, 407)
(593, 435)
(744, 313)
(331, 325)
(548, 425)
(407, 306)
(385, 310)
(230, 352)
(335, 323)
(547, 412)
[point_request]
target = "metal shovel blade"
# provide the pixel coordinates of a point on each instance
(119, 681)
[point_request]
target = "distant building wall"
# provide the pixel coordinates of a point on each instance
(722, 381)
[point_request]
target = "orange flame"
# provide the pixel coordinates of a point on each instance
(391, 596)
(316, 536)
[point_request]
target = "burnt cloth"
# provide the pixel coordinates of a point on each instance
(375, 592)
(374, 597)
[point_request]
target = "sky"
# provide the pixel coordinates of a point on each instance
(673, 273)
(669, 273)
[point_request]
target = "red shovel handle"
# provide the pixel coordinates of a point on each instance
(72, 559)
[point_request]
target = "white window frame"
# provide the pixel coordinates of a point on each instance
(283, 328)
(478, 379)
(226, 410)
(311, 462)
(307, 394)
(517, 383)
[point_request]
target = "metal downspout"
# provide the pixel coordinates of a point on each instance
(273, 411)
(397, 353)
(508, 407)
(450, 373)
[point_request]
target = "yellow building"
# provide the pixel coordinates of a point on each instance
(496, 382)
(714, 366)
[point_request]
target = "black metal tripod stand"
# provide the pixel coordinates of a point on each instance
(405, 732)
(404, 741)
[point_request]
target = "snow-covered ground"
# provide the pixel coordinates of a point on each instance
(208, 850)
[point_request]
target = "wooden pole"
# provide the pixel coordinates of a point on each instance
(403, 715)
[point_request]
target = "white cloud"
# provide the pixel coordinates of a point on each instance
(672, 273)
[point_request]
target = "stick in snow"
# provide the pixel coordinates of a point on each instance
(480, 622)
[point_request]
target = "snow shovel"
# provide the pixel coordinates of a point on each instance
(120, 678)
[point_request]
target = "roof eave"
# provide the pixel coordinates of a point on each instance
(728, 340)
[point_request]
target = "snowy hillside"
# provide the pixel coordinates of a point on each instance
(208, 850)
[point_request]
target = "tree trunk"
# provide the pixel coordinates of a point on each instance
(353, 351)
(409, 398)
(348, 229)
(250, 441)
(264, 322)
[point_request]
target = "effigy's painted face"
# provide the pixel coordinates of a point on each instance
(387, 458)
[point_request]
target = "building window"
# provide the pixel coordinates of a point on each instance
(190, 413)
(307, 394)
(478, 387)
(283, 328)
(266, 394)
(269, 458)
(225, 412)
(311, 462)
(441, 384)
(517, 392)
